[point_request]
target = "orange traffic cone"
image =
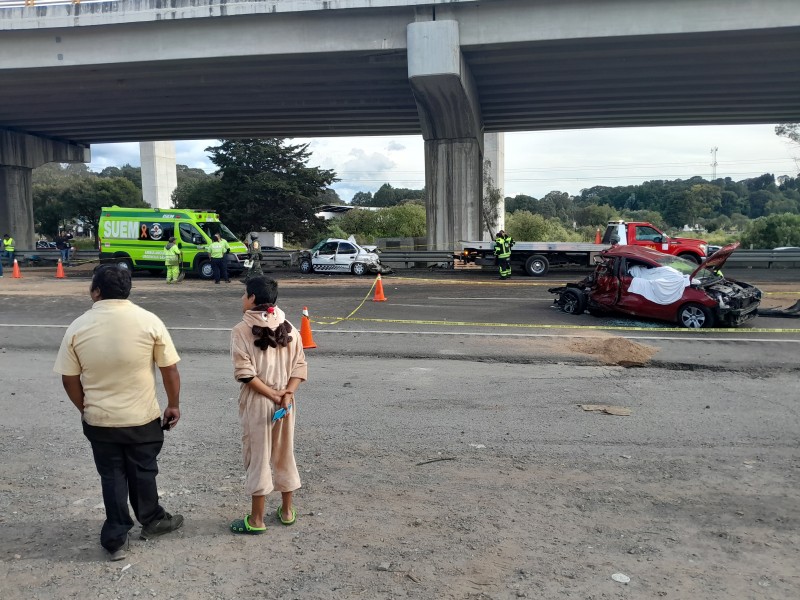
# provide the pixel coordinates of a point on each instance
(15, 273)
(60, 270)
(305, 331)
(597, 238)
(379, 297)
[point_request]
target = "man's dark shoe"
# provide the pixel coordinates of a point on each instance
(158, 528)
(121, 552)
(118, 554)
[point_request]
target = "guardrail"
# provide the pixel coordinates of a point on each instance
(423, 257)
(48, 255)
(278, 257)
(741, 258)
(764, 258)
(40, 3)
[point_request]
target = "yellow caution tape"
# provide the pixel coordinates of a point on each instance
(544, 326)
(337, 320)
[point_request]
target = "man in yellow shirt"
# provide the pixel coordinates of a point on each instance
(106, 365)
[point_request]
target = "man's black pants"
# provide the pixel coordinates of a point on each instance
(127, 471)
(220, 267)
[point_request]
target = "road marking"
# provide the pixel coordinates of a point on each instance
(681, 330)
(490, 299)
(506, 333)
(550, 335)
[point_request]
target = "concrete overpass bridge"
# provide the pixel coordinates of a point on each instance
(451, 70)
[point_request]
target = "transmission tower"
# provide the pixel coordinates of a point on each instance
(714, 163)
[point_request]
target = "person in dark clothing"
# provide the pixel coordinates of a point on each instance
(254, 256)
(63, 245)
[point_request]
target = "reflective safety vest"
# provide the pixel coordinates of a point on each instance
(8, 244)
(502, 246)
(173, 255)
(218, 249)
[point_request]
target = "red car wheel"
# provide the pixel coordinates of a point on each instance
(695, 316)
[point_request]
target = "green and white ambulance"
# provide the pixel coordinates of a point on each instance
(134, 238)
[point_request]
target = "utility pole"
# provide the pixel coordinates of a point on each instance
(714, 163)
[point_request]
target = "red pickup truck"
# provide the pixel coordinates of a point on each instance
(646, 235)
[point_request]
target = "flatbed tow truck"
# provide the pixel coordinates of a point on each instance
(536, 258)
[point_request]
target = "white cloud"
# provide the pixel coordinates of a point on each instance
(573, 160)
(535, 162)
(114, 155)
(193, 154)
(362, 166)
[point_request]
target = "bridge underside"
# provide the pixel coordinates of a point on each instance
(710, 78)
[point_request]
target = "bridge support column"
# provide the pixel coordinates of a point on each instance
(494, 156)
(447, 102)
(159, 177)
(19, 155)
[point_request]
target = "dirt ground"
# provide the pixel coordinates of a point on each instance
(451, 479)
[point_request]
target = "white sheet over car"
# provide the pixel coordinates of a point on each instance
(662, 285)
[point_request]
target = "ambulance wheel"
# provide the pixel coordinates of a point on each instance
(359, 269)
(537, 266)
(205, 270)
(306, 266)
(124, 263)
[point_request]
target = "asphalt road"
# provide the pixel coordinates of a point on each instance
(428, 314)
(439, 434)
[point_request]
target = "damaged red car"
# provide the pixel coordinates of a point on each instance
(644, 283)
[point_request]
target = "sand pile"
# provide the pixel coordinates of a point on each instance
(615, 351)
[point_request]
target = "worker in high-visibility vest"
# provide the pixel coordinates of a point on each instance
(172, 260)
(217, 250)
(502, 250)
(8, 249)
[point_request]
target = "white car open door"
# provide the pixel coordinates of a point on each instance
(324, 259)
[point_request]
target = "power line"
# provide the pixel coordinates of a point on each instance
(628, 166)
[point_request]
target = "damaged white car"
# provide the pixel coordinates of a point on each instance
(340, 256)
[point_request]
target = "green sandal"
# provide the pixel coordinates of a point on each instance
(289, 521)
(243, 526)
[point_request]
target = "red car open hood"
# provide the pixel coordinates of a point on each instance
(717, 259)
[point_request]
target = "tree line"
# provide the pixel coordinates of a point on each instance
(267, 184)
(761, 211)
(263, 184)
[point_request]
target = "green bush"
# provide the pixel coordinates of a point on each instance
(528, 227)
(773, 231)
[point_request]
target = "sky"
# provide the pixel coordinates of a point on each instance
(535, 162)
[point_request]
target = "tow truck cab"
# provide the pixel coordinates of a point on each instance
(649, 236)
